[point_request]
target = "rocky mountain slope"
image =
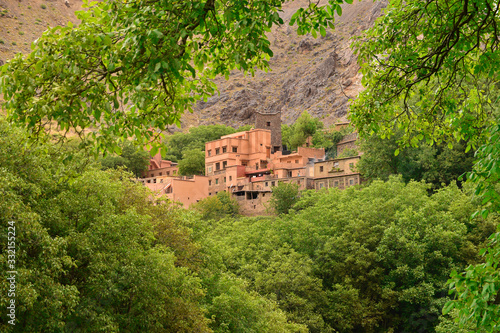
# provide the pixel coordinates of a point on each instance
(23, 21)
(318, 75)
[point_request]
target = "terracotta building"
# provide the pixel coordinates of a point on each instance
(340, 173)
(243, 164)
(186, 190)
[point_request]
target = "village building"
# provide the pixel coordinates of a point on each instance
(249, 164)
(337, 173)
(162, 178)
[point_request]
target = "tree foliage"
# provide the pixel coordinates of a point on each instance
(430, 69)
(284, 196)
(132, 66)
(195, 138)
(192, 163)
(436, 164)
(369, 260)
(134, 159)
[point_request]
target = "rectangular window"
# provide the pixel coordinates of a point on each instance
(209, 183)
(351, 181)
(160, 173)
(168, 173)
(273, 183)
(235, 149)
(216, 181)
(209, 152)
(297, 161)
(224, 164)
(224, 149)
(267, 183)
(321, 185)
(289, 174)
(268, 124)
(152, 175)
(224, 179)
(217, 166)
(351, 166)
(336, 183)
(230, 178)
(217, 151)
(209, 170)
(321, 169)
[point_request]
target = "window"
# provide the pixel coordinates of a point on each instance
(351, 181)
(289, 162)
(273, 183)
(224, 164)
(209, 193)
(217, 166)
(224, 149)
(267, 183)
(336, 183)
(290, 174)
(152, 175)
(217, 151)
(224, 179)
(209, 183)
(230, 178)
(216, 181)
(209, 152)
(209, 169)
(321, 169)
(297, 161)
(160, 173)
(351, 166)
(256, 166)
(336, 164)
(268, 124)
(321, 185)
(161, 180)
(235, 149)
(168, 173)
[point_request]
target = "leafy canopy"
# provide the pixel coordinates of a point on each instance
(430, 69)
(134, 66)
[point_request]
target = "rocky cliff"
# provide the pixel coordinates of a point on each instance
(318, 75)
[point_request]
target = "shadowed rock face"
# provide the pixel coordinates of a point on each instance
(318, 75)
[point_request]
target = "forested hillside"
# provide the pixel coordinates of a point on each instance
(96, 253)
(86, 248)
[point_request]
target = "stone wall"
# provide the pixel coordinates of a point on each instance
(270, 121)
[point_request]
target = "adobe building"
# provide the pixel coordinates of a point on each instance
(186, 190)
(158, 167)
(162, 178)
(337, 173)
(244, 165)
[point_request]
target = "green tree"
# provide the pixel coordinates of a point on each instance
(284, 196)
(192, 163)
(129, 67)
(218, 206)
(296, 135)
(430, 68)
(134, 159)
(195, 138)
(436, 164)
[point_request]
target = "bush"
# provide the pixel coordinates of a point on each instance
(284, 196)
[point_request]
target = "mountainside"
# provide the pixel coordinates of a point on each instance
(317, 75)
